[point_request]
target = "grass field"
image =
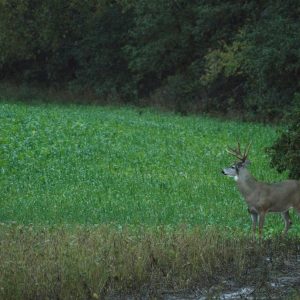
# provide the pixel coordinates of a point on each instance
(95, 165)
(98, 201)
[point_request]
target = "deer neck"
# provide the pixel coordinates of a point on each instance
(246, 182)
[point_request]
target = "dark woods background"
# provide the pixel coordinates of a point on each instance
(235, 58)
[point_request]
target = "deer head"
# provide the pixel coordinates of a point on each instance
(243, 162)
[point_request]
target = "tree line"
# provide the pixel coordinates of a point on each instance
(219, 56)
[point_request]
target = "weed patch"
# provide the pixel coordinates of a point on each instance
(93, 262)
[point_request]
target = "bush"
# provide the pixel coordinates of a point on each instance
(259, 67)
(285, 153)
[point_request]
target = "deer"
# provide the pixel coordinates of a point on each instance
(261, 197)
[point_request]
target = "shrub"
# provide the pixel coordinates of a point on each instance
(285, 153)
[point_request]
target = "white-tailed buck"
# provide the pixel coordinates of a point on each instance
(262, 197)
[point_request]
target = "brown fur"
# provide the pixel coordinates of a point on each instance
(263, 198)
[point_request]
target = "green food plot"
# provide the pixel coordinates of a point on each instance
(125, 166)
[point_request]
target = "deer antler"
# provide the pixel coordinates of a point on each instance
(247, 150)
(238, 153)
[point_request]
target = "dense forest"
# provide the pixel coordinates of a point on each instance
(235, 58)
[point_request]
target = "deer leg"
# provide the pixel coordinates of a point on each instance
(261, 220)
(287, 221)
(254, 218)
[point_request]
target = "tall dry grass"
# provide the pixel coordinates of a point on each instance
(92, 262)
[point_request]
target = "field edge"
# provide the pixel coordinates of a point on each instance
(97, 261)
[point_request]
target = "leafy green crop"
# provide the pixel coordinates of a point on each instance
(92, 165)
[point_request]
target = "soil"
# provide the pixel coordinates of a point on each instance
(274, 280)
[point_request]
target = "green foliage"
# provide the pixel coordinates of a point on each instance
(285, 152)
(160, 41)
(217, 56)
(91, 165)
(102, 65)
(59, 42)
(263, 59)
